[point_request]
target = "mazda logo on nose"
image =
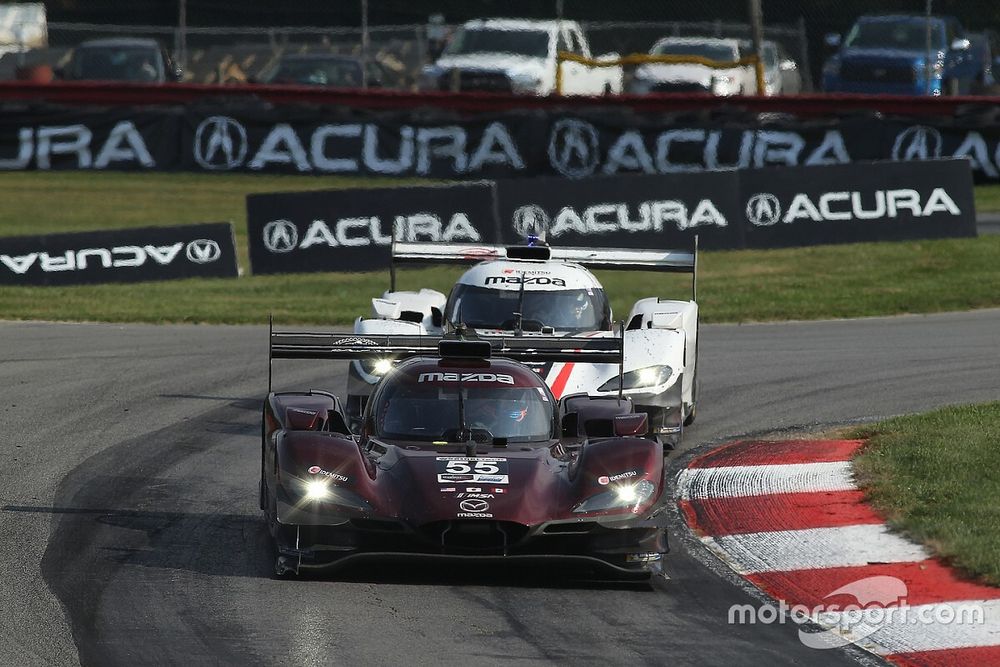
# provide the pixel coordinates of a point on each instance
(474, 505)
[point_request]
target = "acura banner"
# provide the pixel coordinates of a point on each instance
(351, 230)
(122, 255)
(434, 143)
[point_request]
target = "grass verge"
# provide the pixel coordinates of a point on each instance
(935, 477)
(800, 283)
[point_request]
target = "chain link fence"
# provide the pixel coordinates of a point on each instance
(401, 36)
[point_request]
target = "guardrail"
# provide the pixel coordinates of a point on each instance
(109, 94)
(646, 58)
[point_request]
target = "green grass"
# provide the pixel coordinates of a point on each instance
(935, 477)
(740, 286)
(988, 198)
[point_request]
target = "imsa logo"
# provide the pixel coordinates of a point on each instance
(502, 378)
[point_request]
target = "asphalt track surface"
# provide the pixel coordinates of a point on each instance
(130, 532)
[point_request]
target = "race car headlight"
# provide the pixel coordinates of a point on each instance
(650, 376)
(318, 490)
(621, 496)
(377, 367)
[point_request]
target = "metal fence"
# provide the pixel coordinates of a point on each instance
(242, 54)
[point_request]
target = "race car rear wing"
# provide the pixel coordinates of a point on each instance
(619, 259)
(323, 345)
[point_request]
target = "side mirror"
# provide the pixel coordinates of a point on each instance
(788, 65)
(636, 424)
(437, 317)
(832, 40)
(961, 44)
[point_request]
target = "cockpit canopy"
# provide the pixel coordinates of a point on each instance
(420, 401)
(569, 310)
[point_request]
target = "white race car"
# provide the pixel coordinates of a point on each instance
(541, 291)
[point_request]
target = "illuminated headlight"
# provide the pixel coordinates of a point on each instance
(651, 376)
(377, 367)
(621, 496)
(317, 490)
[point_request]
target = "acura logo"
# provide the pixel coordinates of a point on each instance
(573, 148)
(530, 220)
(203, 251)
(763, 209)
(280, 236)
(220, 143)
(474, 505)
(917, 143)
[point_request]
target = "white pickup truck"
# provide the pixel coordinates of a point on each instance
(519, 56)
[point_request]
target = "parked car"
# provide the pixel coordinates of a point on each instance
(695, 77)
(519, 56)
(781, 72)
(902, 55)
(121, 59)
(985, 46)
(323, 69)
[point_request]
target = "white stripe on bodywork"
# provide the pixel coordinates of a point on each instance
(813, 548)
(734, 481)
(905, 629)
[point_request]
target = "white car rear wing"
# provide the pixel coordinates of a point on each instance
(619, 259)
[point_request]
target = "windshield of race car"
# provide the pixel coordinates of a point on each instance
(429, 410)
(571, 310)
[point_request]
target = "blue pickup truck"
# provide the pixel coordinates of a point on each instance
(903, 55)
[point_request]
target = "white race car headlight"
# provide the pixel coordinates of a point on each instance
(642, 378)
(376, 367)
(620, 496)
(317, 489)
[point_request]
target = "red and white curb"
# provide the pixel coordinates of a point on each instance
(788, 517)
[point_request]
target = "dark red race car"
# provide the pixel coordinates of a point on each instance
(463, 454)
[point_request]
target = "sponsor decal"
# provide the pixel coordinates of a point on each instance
(354, 340)
(477, 470)
(468, 515)
(499, 490)
(282, 236)
(574, 150)
(616, 217)
(222, 143)
(763, 209)
(524, 280)
(476, 253)
(317, 470)
(446, 477)
(604, 480)
(481, 496)
(203, 251)
(501, 378)
(123, 147)
(474, 505)
(448, 489)
(473, 489)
